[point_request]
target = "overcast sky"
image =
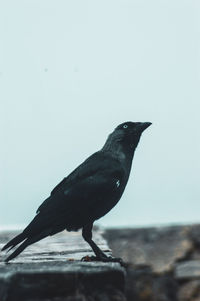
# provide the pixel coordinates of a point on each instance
(71, 71)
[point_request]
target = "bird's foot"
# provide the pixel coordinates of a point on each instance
(103, 259)
(89, 258)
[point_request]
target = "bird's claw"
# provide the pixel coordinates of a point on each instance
(89, 258)
(103, 259)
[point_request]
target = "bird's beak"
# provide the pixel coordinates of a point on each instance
(143, 126)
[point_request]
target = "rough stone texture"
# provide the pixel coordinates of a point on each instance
(63, 246)
(163, 264)
(190, 291)
(187, 269)
(143, 285)
(52, 270)
(157, 247)
(170, 257)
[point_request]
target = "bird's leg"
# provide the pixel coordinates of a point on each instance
(100, 255)
(87, 235)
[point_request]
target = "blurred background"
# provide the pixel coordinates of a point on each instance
(71, 71)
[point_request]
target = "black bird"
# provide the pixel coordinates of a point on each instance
(87, 194)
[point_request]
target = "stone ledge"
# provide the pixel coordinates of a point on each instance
(52, 268)
(58, 280)
(158, 247)
(163, 263)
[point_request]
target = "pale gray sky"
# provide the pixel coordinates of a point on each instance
(70, 71)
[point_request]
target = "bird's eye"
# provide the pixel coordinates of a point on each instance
(125, 126)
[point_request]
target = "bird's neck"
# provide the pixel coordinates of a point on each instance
(121, 152)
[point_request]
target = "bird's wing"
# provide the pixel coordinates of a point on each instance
(77, 197)
(95, 163)
(79, 172)
(90, 166)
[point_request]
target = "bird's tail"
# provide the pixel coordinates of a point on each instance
(15, 241)
(25, 244)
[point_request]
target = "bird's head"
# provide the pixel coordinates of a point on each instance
(127, 134)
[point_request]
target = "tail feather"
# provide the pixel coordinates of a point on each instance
(26, 243)
(15, 241)
(18, 250)
(30, 231)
